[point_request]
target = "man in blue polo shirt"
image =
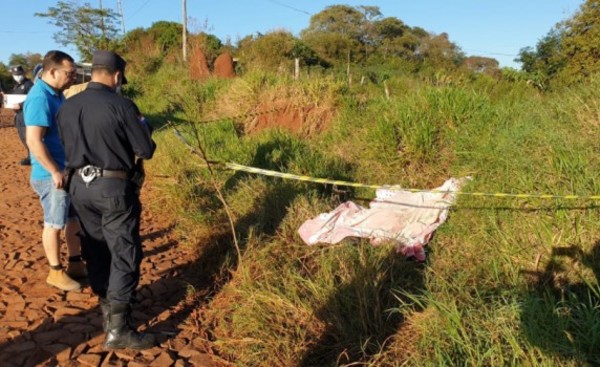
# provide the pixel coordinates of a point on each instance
(47, 168)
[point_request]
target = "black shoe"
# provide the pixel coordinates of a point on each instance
(121, 335)
(25, 162)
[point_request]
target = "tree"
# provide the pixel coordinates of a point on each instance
(275, 50)
(368, 36)
(166, 34)
(570, 52)
(438, 51)
(341, 19)
(28, 60)
(86, 27)
(210, 44)
(340, 31)
(547, 58)
(6, 79)
(396, 39)
(580, 46)
(390, 27)
(483, 65)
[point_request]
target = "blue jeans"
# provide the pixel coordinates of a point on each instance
(55, 203)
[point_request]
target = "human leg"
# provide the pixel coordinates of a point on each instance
(51, 243)
(54, 203)
(76, 267)
(57, 276)
(120, 334)
(93, 246)
(20, 125)
(72, 237)
(121, 230)
(121, 224)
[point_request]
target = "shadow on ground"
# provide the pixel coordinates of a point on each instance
(360, 315)
(561, 316)
(75, 332)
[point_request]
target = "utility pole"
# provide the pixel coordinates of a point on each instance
(102, 22)
(184, 31)
(120, 5)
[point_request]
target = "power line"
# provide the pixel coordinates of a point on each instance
(491, 53)
(22, 32)
(289, 7)
(138, 10)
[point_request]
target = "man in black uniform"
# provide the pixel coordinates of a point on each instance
(22, 86)
(102, 136)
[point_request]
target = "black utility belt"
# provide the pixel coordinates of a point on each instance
(89, 173)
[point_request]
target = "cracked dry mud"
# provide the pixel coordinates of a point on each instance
(44, 326)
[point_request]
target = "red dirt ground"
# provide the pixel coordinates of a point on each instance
(305, 120)
(43, 326)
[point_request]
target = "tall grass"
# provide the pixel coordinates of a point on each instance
(507, 281)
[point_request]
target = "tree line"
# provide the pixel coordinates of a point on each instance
(338, 36)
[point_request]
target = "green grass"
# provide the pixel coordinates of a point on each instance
(508, 282)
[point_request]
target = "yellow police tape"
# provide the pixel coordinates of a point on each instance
(288, 176)
(265, 172)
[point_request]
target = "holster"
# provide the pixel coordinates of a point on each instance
(138, 174)
(70, 173)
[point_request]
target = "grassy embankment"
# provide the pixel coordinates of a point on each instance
(507, 281)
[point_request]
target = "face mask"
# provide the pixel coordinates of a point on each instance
(118, 89)
(18, 78)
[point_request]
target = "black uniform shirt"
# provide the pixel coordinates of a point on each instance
(22, 88)
(101, 128)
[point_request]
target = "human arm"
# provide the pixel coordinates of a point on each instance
(138, 134)
(35, 142)
(39, 117)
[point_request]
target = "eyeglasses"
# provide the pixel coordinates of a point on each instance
(69, 73)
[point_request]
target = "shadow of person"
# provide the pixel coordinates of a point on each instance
(159, 233)
(561, 316)
(50, 327)
(215, 257)
(263, 215)
(55, 338)
(357, 317)
(163, 298)
(74, 328)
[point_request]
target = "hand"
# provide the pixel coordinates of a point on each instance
(58, 179)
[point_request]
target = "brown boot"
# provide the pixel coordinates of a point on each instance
(60, 279)
(76, 270)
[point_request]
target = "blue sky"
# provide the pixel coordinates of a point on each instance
(497, 29)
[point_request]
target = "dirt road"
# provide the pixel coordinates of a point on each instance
(43, 326)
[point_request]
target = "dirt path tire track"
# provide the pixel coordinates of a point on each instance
(43, 326)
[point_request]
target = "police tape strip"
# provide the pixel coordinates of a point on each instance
(260, 171)
(289, 176)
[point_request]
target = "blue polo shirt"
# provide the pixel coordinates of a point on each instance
(40, 109)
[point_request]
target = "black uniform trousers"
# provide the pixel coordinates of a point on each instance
(20, 125)
(109, 213)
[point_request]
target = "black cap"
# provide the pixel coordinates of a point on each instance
(111, 60)
(17, 70)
